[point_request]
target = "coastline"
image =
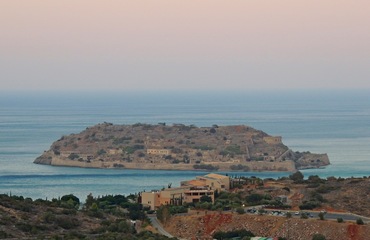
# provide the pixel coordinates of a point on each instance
(178, 147)
(286, 166)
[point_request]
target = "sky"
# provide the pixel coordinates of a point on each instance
(184, 45)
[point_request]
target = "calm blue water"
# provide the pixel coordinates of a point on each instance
(337, 123)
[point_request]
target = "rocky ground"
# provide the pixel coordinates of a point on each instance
(203, 225)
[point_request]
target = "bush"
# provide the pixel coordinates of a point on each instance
(359, 221)
(72, 197)
(132, 149)
(121, 140)
(67, 222)
(205, 198)
(317, 196)
(232, 150)
(304, 216)
(175, 161)
(309, 205)
(177, 209)
(101, 152)
(239, 167)
(318, 236)
(340, 220)
(233, 234)
(49, 217)
(325, 189)
(24, 227)
(208, 167)
(73, 156)
(297, 177)
(254, 198)
(240, 210)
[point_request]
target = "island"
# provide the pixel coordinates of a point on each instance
(178, 147)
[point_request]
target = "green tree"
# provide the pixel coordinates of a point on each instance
(163, 214)
(70, 201)
(70, 196)
(89, 200)
(297, 177)
(244, 234)
(254, 198)
(205, 198)
(94, 207)
(321, 216)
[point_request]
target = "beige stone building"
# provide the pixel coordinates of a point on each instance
(273, 139)
(172, 196)
(194, 194)
(212, 181)
(189, 192)
(175, 196)
(150, 199)
(155, 151)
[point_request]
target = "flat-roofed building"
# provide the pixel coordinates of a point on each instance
(155, 151)
(172, 196)
(273, 139)
(189, 192)
(194, 194)
(150, 199)
(213, 181)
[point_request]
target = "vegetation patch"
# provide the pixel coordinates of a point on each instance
(207, 167)
(239, 167)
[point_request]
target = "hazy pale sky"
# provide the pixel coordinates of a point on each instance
(189, 44)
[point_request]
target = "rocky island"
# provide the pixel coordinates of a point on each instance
(178, 147)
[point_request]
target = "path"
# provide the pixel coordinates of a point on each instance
(156, 224)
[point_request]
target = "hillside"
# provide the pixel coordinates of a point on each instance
(108, 217)
(121, 217)
(204, 224)
(343, 197)
(181, 147)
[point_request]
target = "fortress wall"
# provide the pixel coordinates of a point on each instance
(273, 140)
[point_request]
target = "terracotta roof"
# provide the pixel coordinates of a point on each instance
(216, 176)
(196, 183)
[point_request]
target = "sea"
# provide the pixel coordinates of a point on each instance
(336, 122)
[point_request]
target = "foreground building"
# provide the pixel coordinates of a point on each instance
(189, 192)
